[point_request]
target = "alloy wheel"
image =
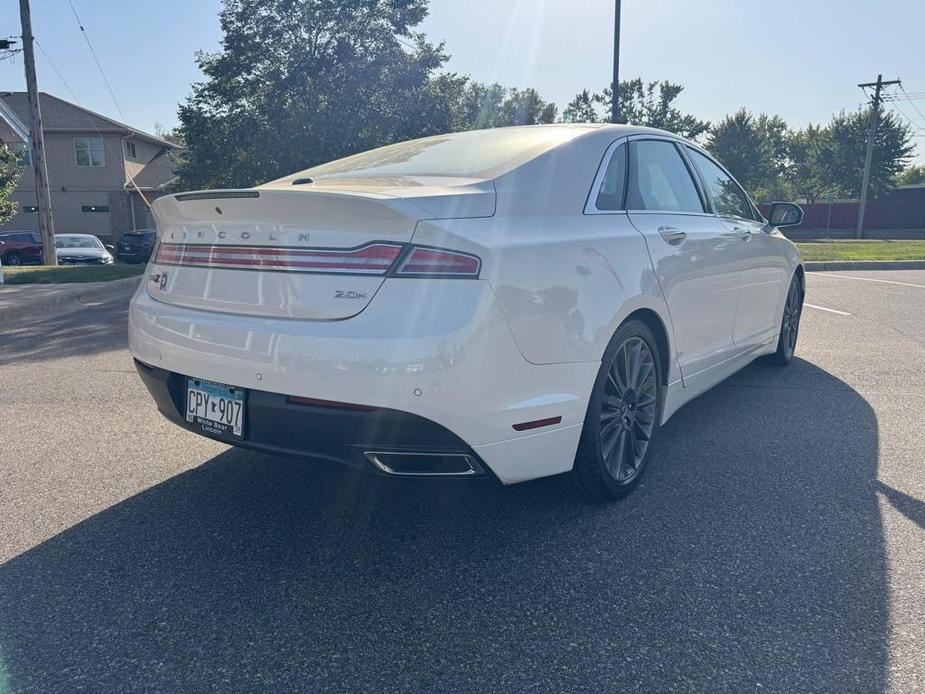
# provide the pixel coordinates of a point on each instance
(628, 410)
(791, 323)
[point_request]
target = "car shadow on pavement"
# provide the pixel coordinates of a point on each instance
(76, 332)
(751, 555)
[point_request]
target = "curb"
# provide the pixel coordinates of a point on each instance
(830, 265)
(74, 294)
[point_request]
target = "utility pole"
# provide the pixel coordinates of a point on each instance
(871, 135)
(615, 106)
(42, 191)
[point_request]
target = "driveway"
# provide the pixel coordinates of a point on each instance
(776, 543)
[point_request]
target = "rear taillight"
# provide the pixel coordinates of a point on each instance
(376, 258)
(437, 262)
(372, 259)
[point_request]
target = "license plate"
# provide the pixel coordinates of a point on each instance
(218, 409)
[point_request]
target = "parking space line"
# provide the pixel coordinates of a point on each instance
(823, 308)
(868, 279)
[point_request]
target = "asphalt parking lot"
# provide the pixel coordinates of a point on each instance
(777, 543)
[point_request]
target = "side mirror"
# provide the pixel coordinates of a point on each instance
(785, 214)
(109, 247)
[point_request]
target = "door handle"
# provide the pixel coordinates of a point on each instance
(672, 235)
(742, 233)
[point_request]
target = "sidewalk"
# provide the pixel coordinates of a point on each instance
(19, 299)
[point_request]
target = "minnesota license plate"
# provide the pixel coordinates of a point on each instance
(217, 409)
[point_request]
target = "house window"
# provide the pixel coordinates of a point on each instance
(130, 150)
(90, 151)
(29, 209)
(23, 150)
(94, 208)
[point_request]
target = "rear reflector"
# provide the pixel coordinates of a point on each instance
(537, 424)
(374, 259)
(434, 261)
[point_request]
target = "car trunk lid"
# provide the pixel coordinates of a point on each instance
(316, 253)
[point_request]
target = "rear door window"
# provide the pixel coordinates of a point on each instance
(659, 179)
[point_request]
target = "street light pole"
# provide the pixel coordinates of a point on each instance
(615, 106)
(42, 191)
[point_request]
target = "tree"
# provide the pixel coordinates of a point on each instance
(913, 175)
(493, 106)
(299, 82)
(526, 107)
(10, 173)
(754, 149)
(642, 105)
(840, 164)
(174, 136)
(581, 109)
(805, 151)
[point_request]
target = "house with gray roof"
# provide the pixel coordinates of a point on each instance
(101, 172)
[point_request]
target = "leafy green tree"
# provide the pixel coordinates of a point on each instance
(526, 107)
(480, 106)
(840, 164)
(174, 136)
(299, 82)
(754, 149)
(913, 175)
(493, 106)
(806, 150)
(582, 109)
(10, 173)
(652, 105)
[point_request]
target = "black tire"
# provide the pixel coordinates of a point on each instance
(789, 324)
(13, 259)
(619, 414)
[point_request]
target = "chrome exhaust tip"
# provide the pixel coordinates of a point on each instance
(424, 464)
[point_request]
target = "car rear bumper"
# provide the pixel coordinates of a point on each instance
(356, 437)
(438, 353)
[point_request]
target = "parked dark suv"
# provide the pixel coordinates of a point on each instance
(136, 246)
(20, 247)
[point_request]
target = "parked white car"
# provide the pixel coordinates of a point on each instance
(517, 302)
(82, 249)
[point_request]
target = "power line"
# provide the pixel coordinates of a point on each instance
(57, 71)
(916, 128)
(112, 94)
(912, 103)
(911, 96)
(97, 61)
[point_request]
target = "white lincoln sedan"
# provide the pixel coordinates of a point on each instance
(515, 303)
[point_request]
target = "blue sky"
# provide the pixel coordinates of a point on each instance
(800, 59)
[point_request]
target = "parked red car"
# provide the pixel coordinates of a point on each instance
(20, 247)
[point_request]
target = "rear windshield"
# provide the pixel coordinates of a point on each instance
(472, 154)
(77, 242)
